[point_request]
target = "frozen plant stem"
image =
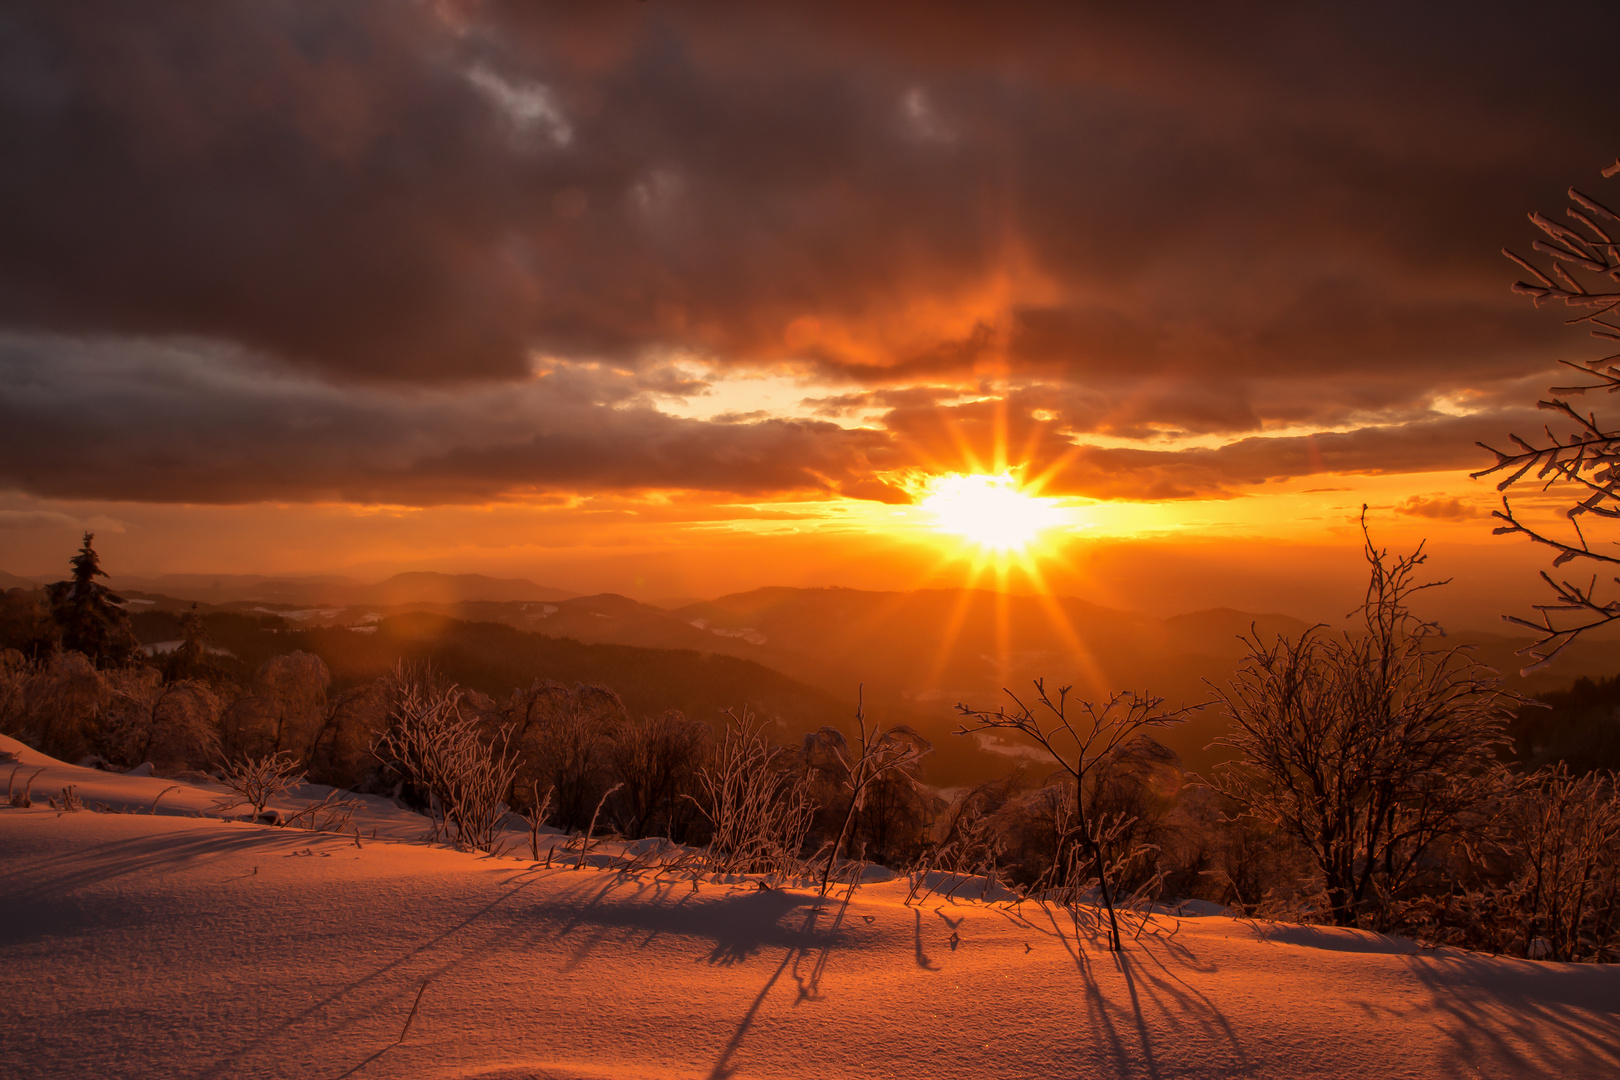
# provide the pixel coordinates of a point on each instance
(585, 842)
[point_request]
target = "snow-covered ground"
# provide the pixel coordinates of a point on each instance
(167, 945)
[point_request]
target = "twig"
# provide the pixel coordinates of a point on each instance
(420, 991)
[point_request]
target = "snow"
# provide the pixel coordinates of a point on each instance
(166, 944)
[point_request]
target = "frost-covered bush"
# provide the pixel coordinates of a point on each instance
(1565, 833)
(256, 780)
(1548, 888)
(16, 672)
(655, 760)
(756, 798)
(436, 746)
(340, 752)
(1373, 750)
(284, 710)
(174, 726)
(61, 700)
(564, 736)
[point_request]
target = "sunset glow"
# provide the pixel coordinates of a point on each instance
(773, 528)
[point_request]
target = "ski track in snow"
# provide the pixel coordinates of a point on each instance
(167, 945)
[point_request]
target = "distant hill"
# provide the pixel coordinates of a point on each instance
(912, 656)
(416, 587)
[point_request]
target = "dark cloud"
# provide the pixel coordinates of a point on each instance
(166, 423)
(1443, 443)
(1197, 220)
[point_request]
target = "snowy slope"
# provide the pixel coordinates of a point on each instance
(142, 945)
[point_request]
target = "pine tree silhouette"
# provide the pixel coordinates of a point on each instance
(190, 660)
(89, 614)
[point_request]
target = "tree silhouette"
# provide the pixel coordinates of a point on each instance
(1580, 463)
(90, 615)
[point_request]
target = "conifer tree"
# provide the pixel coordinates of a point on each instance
(90, 615)
(190, 658)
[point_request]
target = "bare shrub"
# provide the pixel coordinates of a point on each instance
(1565, 834)
(1367, 749)
(655, 761)
(435, 746)
(757, 801)
(174, 726)
(284, 710)
(564, 737)
(256, 780)
(879, 755)
(62, 698)
(970, 840)
(330, 813)
(1080, 737)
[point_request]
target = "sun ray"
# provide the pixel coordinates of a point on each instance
(954, 623)
(1084, 658)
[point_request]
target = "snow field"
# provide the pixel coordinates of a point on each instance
(136, 945)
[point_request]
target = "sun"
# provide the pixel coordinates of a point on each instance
(991, 511)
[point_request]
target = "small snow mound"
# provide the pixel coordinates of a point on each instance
(143, 769)
(1198, 908)
(1336, 938)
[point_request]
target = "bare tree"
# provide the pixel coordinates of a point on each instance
(1079, 737)
(655, 761)
(1366, 748)
(564, 735)
(880, 754)
(1581, 461)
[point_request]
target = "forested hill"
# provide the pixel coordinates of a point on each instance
(495, 658)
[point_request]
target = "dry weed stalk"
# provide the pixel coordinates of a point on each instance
(21, 800)
(536, 816)
(590, 830)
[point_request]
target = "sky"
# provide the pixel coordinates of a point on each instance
(685, 298)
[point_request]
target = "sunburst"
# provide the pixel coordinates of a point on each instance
(992, 511)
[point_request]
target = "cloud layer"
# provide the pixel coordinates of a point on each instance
(293, 250)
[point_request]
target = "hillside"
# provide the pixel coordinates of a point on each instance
(912, 655)
(143, 945)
